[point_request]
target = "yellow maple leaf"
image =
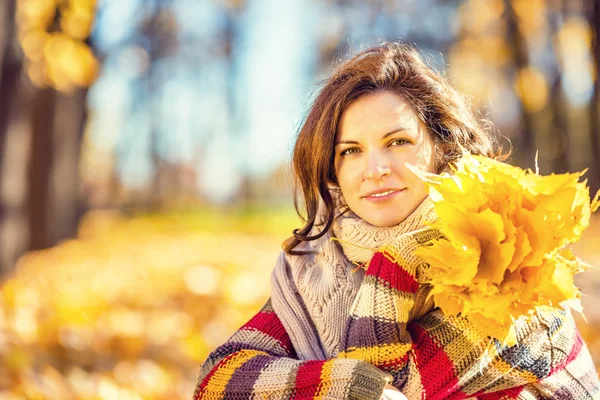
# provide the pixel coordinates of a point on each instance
(501, 254)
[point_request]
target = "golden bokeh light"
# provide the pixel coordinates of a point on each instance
(531, 15)
(56, 55)
(532, 88)
(478, 17)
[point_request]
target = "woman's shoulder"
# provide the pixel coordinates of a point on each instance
(316, 261)
(289, 266)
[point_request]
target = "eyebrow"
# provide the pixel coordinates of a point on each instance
(384, 136)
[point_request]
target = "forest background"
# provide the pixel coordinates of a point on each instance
(144, 151)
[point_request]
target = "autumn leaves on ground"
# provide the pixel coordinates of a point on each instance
(131, 308)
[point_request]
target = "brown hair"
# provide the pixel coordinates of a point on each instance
(393, 67)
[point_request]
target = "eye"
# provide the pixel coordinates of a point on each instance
(349, 151)
(399, 142)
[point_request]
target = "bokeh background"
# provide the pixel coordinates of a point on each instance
(144, 151)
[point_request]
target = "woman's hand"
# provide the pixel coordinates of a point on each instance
(391, 393)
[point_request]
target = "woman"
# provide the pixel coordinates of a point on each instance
(334, 330)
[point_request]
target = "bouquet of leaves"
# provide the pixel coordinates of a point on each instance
(502, 252)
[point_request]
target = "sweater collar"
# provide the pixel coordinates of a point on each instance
(359, 239)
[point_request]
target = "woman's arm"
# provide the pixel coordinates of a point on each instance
(549, 361)
(258, 361)
(445, 357)
(572, 375)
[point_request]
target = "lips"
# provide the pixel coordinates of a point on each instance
(381, 192)
(382, 196)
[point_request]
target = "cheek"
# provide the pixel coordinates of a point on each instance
(349, 181)
(345, 180)
(346, 173)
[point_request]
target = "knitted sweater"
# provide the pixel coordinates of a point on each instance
(391, 333)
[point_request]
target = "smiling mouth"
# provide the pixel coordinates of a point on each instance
(383, 195)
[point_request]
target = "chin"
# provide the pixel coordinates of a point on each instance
(384, 222)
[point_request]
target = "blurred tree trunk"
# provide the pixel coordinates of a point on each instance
(40, 171)
(526, 150)
(594, 134)
(9, 64)
(40, 168)
(15, 95)
(7, 10)
(53, 201)
(559, 127)
(40, 140)
(65, 206)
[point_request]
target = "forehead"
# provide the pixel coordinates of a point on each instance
(377, 112)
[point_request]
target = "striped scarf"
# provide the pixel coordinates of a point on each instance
(313, 294)
(329, 333)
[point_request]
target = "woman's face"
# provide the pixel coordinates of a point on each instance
(379, 133)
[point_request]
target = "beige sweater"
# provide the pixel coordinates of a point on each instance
(312, 294)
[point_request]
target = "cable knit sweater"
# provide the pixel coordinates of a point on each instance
(329, 332)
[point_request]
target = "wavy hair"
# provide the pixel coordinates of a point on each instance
(394, 67)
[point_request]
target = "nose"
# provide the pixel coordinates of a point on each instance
(377, 167)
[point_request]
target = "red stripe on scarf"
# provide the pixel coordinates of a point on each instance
(435, 367)
(512, 393)
(308, 379)
(270, 324)
(383, 268)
